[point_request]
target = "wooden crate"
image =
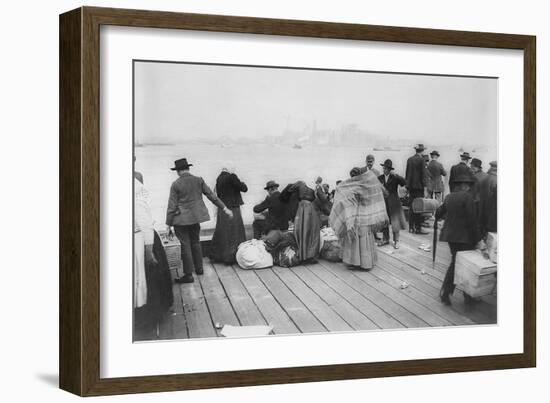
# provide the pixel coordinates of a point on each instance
(474, 274)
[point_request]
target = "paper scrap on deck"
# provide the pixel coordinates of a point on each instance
(245, 331)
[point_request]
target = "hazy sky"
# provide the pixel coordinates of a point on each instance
(178, 101)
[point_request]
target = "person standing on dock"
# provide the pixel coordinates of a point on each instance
(391, 181)
(461, 169)
(186, 211)
(415, 177)
(460, 229)
(488, 200)
(478, 175)
(437, 172)
(229, 233)
(369, 166)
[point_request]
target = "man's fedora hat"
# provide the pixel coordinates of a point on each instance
(476, 162)
(463, 179)
(493, 164)
(271, 184)
(465, 155)
(419, 147)
(388, 164)
(435, 153)
(181, 164)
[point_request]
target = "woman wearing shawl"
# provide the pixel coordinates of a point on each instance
(358, 212)
(229, 232)
(307, 222)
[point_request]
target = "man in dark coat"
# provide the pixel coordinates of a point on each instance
(460, 229)
(185, 211)
(274, 210)
(478, 175)
(391, 182)
(436, 170)
(460, 169)
(415, 176)
(488, 200)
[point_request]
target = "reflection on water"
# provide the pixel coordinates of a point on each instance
(257, 163)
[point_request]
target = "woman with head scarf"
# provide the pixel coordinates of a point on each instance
(229, 232)
(358, 212)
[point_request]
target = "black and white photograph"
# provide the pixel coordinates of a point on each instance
(272, 201)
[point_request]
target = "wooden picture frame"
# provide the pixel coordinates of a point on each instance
(80, 199)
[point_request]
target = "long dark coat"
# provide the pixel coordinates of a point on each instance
(488, 202)
(461, 224)
(229, 188)
(229, 232)
(415, 174)
(393, 204)
(436, 170)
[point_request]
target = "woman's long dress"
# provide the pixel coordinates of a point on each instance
(229, 232)
(307, 221)
(358, 211)
(360, 250)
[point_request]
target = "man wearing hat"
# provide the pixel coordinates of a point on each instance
(460, 169)
(415, 177)
(185, 211)
(479, 175)
(369, 166)
(460, 229)
(274, 211)
(437, 172)
(390, 182)
(488, 200)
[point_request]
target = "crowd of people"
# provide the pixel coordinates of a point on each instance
(357, 209)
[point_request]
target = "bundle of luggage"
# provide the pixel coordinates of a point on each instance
(330, 246)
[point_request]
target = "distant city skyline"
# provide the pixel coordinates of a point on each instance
(176, 102)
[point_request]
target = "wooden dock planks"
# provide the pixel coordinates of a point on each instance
(380, 299)
(266, 303)
(354, 318)
(322, 297)
(246, 310)
(292, 305)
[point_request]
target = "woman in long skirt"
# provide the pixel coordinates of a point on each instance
(307, 221)
(229, 232)
(358, 212)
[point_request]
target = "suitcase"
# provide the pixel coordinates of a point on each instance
(474, 274)
(421, 205)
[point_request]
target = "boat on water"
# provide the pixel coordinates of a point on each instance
(385, 149)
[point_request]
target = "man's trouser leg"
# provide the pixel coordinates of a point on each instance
(196, 249)
(183, 233)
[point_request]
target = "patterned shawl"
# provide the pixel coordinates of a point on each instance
(358, 202)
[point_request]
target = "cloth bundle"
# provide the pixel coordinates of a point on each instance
(358, 202)
(253, 255)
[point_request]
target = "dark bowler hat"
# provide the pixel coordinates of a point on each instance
(463, 179)
(419, 147)
(388, 164)
(435, 153)
(181, 164)
(493, 164)
(476, 162)
(271, 184)
(465, 155)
